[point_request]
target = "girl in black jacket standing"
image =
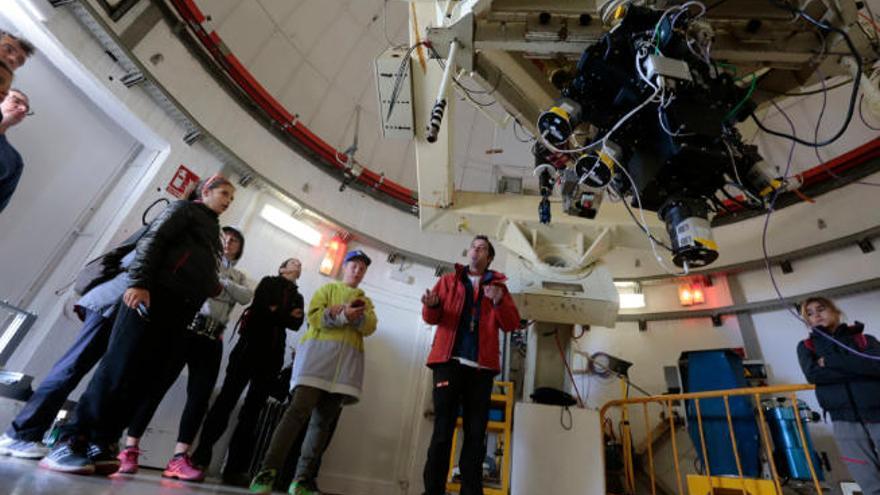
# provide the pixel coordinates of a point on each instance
(847, 386)
(173, 272)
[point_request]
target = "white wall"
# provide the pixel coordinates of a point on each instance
(65, 173)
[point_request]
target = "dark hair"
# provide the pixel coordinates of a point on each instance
(481, 237)
(26, 46)
(238, 235)
(284, 263)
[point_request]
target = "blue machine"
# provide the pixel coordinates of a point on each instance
(789, 453)
(721, 369)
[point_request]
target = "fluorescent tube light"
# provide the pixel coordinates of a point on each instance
(291, 225)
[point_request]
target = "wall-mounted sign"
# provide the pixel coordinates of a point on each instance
(182, 183)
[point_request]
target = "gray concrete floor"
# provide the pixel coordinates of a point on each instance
(22, 477)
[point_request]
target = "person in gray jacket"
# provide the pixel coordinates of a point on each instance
(200, 349)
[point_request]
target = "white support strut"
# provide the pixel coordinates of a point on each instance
(440, 105)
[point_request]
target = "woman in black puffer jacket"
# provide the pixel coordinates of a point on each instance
(847, 386)
(174, 270)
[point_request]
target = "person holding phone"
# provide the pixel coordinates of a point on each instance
(328, 373)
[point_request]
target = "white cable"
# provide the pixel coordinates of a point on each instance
(644, 223)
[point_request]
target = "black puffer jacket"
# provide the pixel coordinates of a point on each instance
(273, 292)
(180, 254)
(848, 386)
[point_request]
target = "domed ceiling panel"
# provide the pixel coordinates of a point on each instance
(316, 58)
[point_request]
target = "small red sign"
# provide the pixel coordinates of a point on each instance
(182, 183)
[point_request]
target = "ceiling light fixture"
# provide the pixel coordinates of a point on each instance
(291, 225)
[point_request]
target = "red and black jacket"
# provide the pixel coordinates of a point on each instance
(848, 385)
(447, 316)
(180, 254)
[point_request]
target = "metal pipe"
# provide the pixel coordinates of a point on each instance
(650, 449)
(674, 444)
(765, 439)
(807, 452)
(739, 469)
(436, 117)
(706, 467)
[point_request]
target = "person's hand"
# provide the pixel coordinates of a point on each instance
(430, 298)
(493, 292)
(353, 313)
(821, 362)
(297, 313)
(136, 295)
(334, 311)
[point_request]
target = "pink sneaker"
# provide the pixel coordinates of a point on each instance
(128, 460)
(181, 467)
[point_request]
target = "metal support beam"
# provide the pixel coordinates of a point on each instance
(433, 160)
(759, 264)
(757, 306)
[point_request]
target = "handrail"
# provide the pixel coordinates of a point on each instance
(738, 481)
(712, 394)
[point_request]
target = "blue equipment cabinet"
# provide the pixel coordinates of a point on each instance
(721, 369)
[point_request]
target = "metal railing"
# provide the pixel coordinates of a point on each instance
(14, 325)
(739, 483)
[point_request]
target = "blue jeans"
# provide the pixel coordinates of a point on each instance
(37, 415)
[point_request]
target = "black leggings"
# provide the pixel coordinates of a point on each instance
(202, 356)
(137, 347)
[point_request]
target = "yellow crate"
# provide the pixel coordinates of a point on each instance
(718, 485)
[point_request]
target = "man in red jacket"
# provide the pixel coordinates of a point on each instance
(468, 307)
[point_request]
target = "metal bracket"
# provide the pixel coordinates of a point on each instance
(462, 32)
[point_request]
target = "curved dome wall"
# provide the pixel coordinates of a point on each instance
(186, 79)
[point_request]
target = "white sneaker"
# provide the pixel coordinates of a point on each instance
(24, 449)
(5, 442)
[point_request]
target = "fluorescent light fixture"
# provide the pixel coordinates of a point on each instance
(33, 10)
(291, 225)
(632, 301)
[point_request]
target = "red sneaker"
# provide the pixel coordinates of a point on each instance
(128, 460)
(181, 467)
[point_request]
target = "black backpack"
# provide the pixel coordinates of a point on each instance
(106, 266)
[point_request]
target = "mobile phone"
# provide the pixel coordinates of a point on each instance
(143, 311)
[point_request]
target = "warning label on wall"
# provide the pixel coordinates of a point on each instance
(182, 183)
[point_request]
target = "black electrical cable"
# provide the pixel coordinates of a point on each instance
(862, 116)
(821, 162)
(853, 97)
(516, 134)
(808, 93)
(147, 211)
(779, 295)
(770, 210)
(468, 91)
(644, 227)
